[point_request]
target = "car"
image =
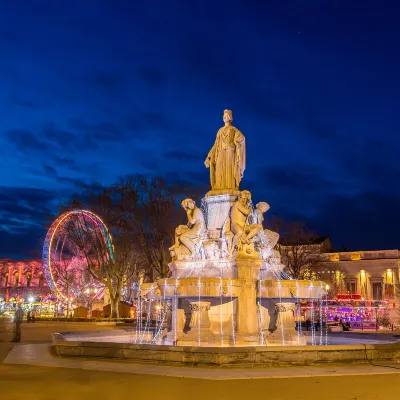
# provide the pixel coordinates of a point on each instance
(335, 326)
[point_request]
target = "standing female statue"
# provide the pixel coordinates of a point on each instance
(227, 158)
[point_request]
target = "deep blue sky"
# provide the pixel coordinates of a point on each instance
(92, 90)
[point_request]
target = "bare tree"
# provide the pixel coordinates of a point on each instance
(148, 210)
(141, 213)
(110, 264)
(331, 274)
(65, 275)
(299, 249)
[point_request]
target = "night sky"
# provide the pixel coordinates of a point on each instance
(92, 90)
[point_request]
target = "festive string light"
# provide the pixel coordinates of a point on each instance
(221, 329)
(199, 311)
(232, 314)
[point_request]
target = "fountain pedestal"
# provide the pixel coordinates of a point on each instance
(285, 333)
(200, 332)
(247, 320)
(217, 208)
(177, 325)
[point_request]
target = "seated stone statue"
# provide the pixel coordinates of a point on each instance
(189, 236)
(243, 231)
(267, 239)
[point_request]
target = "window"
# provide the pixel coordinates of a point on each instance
(389, 291)
(377, 290)
(351, 287)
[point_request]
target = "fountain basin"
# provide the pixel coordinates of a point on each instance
(287, 289)
(245, 356)
(199, 287)
(226, 287)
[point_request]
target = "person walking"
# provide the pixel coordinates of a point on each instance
(28, 316)
(308, 324)
(18, 317)
(33, 316)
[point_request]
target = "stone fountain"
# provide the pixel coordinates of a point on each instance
(227, 286)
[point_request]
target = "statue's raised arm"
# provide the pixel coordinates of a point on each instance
(227, 157)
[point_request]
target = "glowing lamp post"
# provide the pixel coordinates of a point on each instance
(91, 294)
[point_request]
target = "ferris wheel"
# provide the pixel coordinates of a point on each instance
(75, 239)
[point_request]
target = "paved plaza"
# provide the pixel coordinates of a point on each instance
(29, 370)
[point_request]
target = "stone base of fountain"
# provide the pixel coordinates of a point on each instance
(285, 333)
(69, 345)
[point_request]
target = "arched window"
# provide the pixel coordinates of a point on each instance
(16, 279)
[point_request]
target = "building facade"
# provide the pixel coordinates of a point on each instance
(375, 275)
(22, 279)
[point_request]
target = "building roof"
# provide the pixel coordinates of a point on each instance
(303, 240)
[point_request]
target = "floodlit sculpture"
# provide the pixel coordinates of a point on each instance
(241, 226)
(227, 284)
(189, 236)
(227, 158)
(266, 240)
(270, 237)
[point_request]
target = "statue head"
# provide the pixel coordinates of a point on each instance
(228, 116)
(245, 197)
(263, 206)
(188, 204)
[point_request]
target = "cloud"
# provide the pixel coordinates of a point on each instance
(51, 138)
(181, 155)
(62, 138)
(23, 245)
(23, 210)
(32, 198)
(79, 183)
(50, 170)
(105, 131)
(26, 140)
(64, 161)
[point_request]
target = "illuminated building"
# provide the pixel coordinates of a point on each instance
(22, 279)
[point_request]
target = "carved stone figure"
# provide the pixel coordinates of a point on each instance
(191, 235)
(243, 231)
(227, 158)
(269, 236)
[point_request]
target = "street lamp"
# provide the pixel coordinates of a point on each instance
(91, 292)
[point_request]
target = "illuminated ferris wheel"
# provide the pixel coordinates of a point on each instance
(75, 240)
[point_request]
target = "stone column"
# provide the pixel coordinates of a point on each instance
(285, 333)
(200, 317)
(247, 317)
(177, 325)
(200, 332)
(285, 318)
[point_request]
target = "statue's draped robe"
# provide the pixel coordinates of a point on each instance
(227, 159)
